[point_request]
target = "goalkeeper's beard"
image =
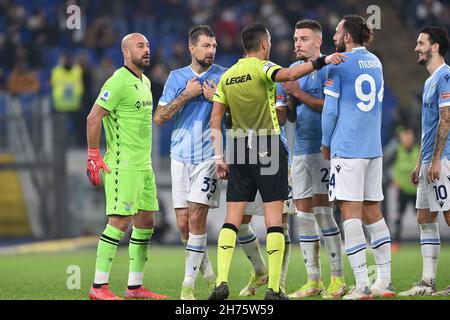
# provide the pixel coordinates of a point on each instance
(140, 63)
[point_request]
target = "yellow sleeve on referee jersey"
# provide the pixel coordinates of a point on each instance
(268, 68)
(219, 95)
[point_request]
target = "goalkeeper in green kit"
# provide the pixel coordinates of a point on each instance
(124, 105)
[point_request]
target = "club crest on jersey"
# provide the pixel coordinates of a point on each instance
(105, 96)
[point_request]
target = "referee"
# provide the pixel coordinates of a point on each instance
(257, 159)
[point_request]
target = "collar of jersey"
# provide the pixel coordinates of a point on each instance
(203, 73)
(131, 71)
(358, 48)
(439, 68)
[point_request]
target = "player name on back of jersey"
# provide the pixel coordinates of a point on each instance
(239, 79)
(369, 64)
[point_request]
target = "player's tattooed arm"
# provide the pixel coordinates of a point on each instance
(166, 112)
(442, 131)
(434, 170)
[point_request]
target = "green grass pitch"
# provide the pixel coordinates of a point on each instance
(45, 276)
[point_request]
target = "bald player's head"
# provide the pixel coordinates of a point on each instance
(136, 50)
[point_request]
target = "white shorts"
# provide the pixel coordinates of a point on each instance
(194, 183)
(256, 208)
(356, 179)
(434, 196)
(310, 175)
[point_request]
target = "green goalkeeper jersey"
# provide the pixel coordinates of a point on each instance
(128, 125)
(249, 90)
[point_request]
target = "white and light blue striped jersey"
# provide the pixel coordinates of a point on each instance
(351, 117)
(308, 127)
(436, 94)
(191, 136)
(281, 101)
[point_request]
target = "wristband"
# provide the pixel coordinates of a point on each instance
(218, 157)
(93, 152)
(319, 63)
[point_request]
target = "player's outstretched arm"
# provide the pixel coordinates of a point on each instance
(166, 112)
(298, 71)
(95, 160)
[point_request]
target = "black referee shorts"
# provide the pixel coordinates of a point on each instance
(263, 167)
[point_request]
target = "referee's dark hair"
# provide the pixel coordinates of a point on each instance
(357, 27)
(252, 35)
(437, 35)
(199, 30)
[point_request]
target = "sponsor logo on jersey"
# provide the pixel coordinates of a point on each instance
(143, 103)
(239, 79)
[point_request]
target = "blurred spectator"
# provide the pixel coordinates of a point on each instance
(67, 92)
(102, 73)
(87, 99)
(22, 80)
(227, 25)
(405, 162)
(428, 12)
(277, 24)
(100, 36)
(158, 74)
(283, 52)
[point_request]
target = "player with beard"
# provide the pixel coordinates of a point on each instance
(125, 106)
(187, 96)
(351, 135)
(433, 165)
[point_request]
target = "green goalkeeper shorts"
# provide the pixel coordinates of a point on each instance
(129, 191)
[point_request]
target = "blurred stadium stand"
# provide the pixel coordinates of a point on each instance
(44, 192)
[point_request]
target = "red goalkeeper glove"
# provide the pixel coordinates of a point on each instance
(95, 163)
